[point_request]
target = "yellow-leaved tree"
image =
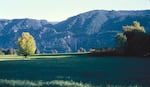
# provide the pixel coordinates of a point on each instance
(26, 44)
(135, 27)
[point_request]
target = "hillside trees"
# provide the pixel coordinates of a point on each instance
(26, 44)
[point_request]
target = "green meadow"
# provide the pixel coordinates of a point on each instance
(73, 70)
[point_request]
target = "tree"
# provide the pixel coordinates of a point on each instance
(37, 51)
(11, 51)
(1, 52)
(136, 40)
(26, 44)
(54, 51)
(121, 41)
(81, 50)
(134, 28)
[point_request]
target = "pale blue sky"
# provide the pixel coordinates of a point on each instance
(58, 10)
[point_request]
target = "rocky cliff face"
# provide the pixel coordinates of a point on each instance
(94, 29)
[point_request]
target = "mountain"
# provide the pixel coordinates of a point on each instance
(93, 29)
(97, 29)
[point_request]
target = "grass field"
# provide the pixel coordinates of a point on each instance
(16, 57)
(53, 83)
(71, 71)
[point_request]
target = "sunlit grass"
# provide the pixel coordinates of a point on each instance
(16, 57)
(10, 56)
(53, 83)
(49, 56)
(37, 56)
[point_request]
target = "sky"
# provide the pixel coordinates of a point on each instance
(58, 10)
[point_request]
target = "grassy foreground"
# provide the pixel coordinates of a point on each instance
(53, 83)
(73, 70)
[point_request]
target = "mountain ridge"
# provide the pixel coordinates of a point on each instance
(93, 29)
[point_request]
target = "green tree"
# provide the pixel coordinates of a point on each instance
(26, 44)
(121, 39)
(1, 52)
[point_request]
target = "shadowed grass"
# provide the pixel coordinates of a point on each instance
(53, 83)
(60, 70)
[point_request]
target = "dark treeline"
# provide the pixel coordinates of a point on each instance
(134, 41)
(10, 51)
(103, 52)
(137, 41)
(137, 44)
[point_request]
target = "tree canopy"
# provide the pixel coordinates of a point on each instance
(26, 44)
(135, 27)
